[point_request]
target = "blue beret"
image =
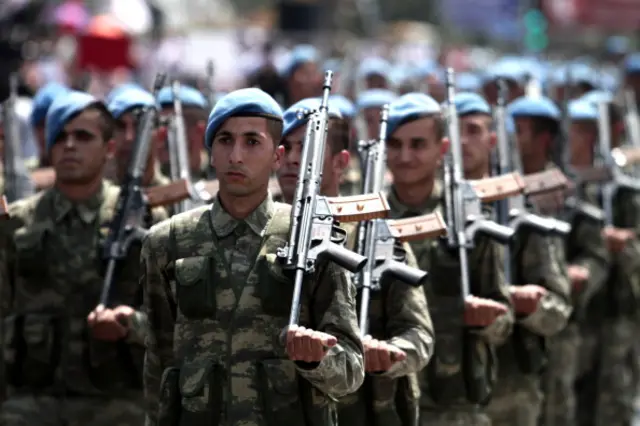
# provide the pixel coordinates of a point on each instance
(128, 99)
(63, 109)
(578, 72)
(468, 82)
(116, 90)
(301, 54)
(508, 69)
(291, 119)
(344, 105)
(471, 103)
(240, 102)
(534, 107)
(375, 98)
(374, 66)
(582, 110)
(597, 96)
(42, 101)
(425, 69)
(188, 96)
(410, 107)
(632, 63)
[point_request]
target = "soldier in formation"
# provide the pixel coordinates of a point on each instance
(113, 312)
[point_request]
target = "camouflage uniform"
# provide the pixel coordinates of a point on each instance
(58, 374)
(583, 247)
(517, 398)
(607, 386)
(398, 314)
(217, 302)
(458, 381)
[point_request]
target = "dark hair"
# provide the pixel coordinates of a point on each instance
(545, 125)
(339, 136)
(438, 120)
(274, 128)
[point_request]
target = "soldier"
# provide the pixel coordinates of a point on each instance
(539, 291)
(195, 120)
(399, 320)
(374, 72)
(124, 107)
(369, 104)
(510, 70)
(302, 74)
(537, 126)
(456, 384)
(68, 364)
(606, 388)
(336, 154)
(218, 300)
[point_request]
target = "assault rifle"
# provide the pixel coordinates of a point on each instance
(378, 241)
(17, 184)
(313, 233)
(463, 198)
(131, 209)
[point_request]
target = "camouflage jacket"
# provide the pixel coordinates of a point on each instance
(53, 269)
(398, 314)
(218, 300)
(461, 352)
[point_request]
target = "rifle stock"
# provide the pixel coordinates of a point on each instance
(357, 208)
(498, 187)
(166, 195)
(430, 225)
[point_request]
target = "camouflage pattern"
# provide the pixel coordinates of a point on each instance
(517, 394)
(217, 301)
(399, 315)
(32, 410)
(351, 182)
(459, 379)
(583, 247)
(607, 385)
(54, 278)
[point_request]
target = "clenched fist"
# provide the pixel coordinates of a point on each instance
(479, 312)
(304, 344)
(379, 355)
(526, 298)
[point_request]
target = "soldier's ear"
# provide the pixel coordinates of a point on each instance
(341, 160)
(111, 148)
(493, 139)
(278, 155)
(445, 146)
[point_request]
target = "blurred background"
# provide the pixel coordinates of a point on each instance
(97, 44)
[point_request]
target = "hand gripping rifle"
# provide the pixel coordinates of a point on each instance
(463, 199)
(131, 208)
(378, 241)
(313, 233)
(17, 183)
(512, 211)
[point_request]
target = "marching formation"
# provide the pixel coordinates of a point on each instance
(448, 255)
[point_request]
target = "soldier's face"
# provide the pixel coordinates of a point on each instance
(376, 81)
(306, 81)
(525, 137)
(244, 155)
(125, 138)
(414, 152)
(477, 142)
(332, 168)
(583, 136)
(79, 154)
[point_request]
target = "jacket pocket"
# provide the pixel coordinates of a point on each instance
(201, 385)
(30, 254)
(278, 384)
(195, 287)
(36, 345)
(274, 288)
(170, 404)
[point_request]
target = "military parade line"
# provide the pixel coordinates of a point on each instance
(404, 260)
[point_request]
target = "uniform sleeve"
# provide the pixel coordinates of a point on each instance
(409, 324)
(590, 253)
(487, 281)
(158, 303)
(538, 264)
(333, 308)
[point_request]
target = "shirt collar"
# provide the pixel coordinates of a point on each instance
(224, 224)
(401, 210)
(87, 210)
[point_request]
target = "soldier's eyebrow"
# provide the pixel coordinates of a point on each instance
(253, 134)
